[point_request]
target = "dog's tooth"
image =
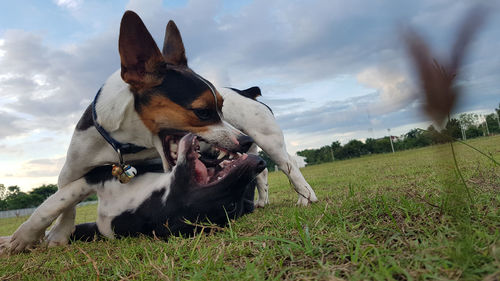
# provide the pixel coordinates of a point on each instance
(239, 154)
(199, 155)
(218, 178)
(173, 146)
(231, 156)
(221, 155)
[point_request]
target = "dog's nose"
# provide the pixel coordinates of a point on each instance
(261, 165)
(245, 143)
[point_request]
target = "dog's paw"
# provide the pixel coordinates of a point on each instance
(305, 201)
(57, 238)
(60, 233)
(4, 244)
(24, 238)
(260, 203)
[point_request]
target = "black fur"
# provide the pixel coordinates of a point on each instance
(252, 93)
(85, 232)
(86, 120)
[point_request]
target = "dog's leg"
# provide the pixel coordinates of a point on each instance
(306, 193)
(289, 167)
(263, 188)
(32, 230)
(271, 140)
(62, 229)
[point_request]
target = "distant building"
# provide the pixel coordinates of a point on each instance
(300, 160)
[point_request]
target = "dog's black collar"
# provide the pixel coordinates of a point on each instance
(120, 148)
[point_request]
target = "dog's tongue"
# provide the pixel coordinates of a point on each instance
(201, 172)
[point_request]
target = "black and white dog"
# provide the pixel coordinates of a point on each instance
(159, 204)
(140, 113)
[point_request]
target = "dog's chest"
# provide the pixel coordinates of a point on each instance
(116, 198)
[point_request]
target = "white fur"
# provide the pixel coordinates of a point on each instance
(116, 198)
(257, 121)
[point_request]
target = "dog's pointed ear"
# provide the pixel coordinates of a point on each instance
(251, 93)
(139, 53)
(173, 48)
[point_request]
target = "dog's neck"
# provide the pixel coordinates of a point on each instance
(116, 114)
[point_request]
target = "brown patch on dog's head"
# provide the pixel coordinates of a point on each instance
(162, 113)
(207, 100)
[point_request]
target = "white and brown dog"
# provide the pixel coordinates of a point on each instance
(242, 110)
(141, 112)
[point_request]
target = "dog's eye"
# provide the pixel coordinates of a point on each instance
(204, 114)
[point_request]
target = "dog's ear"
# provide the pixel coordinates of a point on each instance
(139, 53)
(252, 92)
(173, 48)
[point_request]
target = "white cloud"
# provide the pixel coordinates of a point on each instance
(69, 4)
(293, 50)
(396, 92)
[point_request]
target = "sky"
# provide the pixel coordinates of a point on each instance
(330, 69)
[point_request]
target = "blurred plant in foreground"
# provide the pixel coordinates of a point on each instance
(437, 79)
(440, 93)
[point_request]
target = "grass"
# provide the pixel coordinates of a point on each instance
(381, 217)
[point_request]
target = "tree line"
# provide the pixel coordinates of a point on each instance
(466, 125)
(12, 198)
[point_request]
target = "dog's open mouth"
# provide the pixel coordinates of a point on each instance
(211, 163)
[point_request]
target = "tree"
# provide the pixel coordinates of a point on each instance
(3, 191)
(468, 120)
(453, 129)
(14, 189)
(3, 195)
(370, 145)
(491, 120)
(39, 194)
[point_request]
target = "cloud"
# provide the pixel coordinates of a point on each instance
(48, 167)
(300, 53)
(50, 87)
(9, 125)
(396, 92)
(69, 4)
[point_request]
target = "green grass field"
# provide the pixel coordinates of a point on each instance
(396, 216)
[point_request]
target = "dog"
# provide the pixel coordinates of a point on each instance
(242, 110)
(140, 112)
(162, 204)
